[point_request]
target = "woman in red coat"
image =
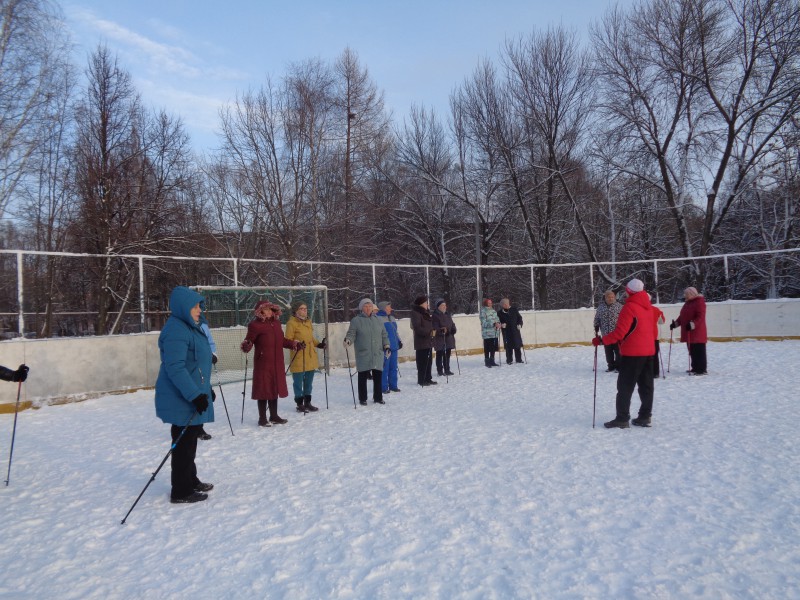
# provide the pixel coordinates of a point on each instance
(692, 322)
(269, 379)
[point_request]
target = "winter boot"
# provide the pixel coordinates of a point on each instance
(492, 363)
(273, 413)
(203, 435)
(299, 401)
(618, 423)
(191, 498)
(262, 413)
(310, 407)
(641, 421)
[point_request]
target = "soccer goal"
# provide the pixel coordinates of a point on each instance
(230, 308)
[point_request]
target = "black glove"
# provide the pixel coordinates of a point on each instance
(322, 345)
(213, 396)
(214, 358)
(672, 325)
(597, 331)
(21, 374)
(399, 345)
(201, 403)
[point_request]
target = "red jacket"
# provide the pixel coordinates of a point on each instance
(269, 378)
(635, 327)
(693, 311)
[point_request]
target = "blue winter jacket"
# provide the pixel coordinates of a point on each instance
(390, 323)
(185, 363)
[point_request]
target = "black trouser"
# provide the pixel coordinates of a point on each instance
(443, 361)
(612, 355)
(184, 471)
(517, 352)
(377, 389)
(424, 365)
(697, 354)
(489, 348)
(634, 371)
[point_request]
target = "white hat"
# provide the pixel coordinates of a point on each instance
(363, 303)
(634, 286)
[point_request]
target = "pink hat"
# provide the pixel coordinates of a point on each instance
(691, 292)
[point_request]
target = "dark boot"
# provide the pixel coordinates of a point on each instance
(617, 423)
(273, 413)
(310, 407)
(641, 421)
(299, 401)
(262, 413)
(492, 363)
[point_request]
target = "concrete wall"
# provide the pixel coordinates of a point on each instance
(77, 368)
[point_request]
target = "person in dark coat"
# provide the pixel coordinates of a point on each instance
(511, 326)
(370, 341)
(692, 321)
(424, 334)
(183, 390)
(20, 375)
(635, 335)
(269, 378)
(445, 328)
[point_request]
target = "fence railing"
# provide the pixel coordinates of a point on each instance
(62, 288)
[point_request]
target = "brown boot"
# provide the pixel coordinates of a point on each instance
(273, 413)
(309, 407)
(262, 413)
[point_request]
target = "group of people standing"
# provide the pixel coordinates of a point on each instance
(630, 340)
(508, 321)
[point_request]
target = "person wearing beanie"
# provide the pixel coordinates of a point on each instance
(269, 381)
(511, 326)
(605, 321)
(443, 324)
(369, 339)
(635, 335)
(390, 364)
(304, 362)
(424, 334)
(490, 325)
(692, 321)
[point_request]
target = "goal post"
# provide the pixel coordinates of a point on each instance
(229, 309)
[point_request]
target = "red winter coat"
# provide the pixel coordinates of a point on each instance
(269, 378)
(693, 311)
(635, 327)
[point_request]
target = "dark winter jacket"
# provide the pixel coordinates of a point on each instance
(269, 377)
(422, 326)
(447, 339)
(369, 338)
(635, 327)
(605, 319)
(185, 371)
(512, 336)
(693, 311)
(390, 323)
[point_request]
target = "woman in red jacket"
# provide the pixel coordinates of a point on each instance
(635, 334)
(692, 322)
(269, 379)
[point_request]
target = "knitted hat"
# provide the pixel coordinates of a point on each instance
(297, 304)
(420, 300)
(363, 303)
(440, 301)
(384, 304)
(691, 292)
(634, 286)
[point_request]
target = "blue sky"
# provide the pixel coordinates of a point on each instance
(190, 57)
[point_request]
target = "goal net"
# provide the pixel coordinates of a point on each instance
(229, 309)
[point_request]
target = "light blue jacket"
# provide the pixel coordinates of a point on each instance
(185, 363)
(488, 318)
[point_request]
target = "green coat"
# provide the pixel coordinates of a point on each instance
(369, 338)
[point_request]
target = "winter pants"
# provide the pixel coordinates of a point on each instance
(424, 365)
(634, 371)
(697, 355)
(302, 383)
(489, 348)
(363, 376)
(389, 380)
(517, 353)
(612, 356)
(184, 471)
(443, 361)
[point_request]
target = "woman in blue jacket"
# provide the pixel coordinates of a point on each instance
(183, 389)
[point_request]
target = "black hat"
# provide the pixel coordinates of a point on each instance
(420, 300)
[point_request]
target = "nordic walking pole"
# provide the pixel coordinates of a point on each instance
(497, 346)
(325, 371)
(171, 448)
(661, 358)
(669, 355)
(521, 343)
(304, 376)
(221, 393)
(594, 395)
(347, 353)
(456, 353)
(13, 434)
(296, 352)
(244, 388)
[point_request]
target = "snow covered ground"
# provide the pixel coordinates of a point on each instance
(493, 485)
